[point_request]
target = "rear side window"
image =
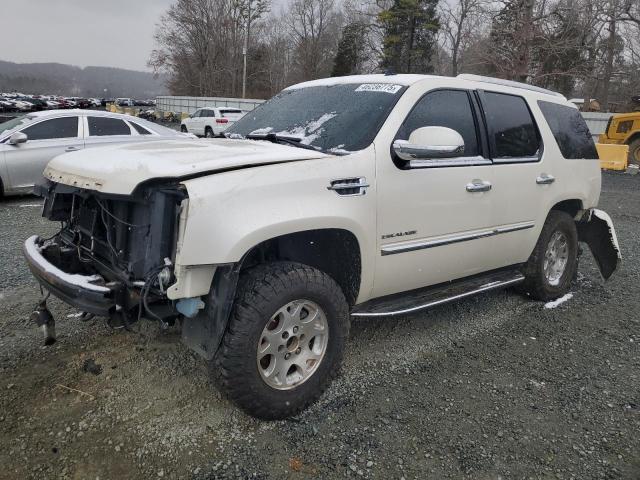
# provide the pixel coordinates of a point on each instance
(141, 130)
(570, 130)
(444, 108)
(66, 127)
(105, 126)
(513, 133)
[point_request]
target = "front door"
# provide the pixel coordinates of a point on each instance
(45, 140)
(432, 220)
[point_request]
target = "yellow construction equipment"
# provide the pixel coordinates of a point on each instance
(624, 129)
(612, 157)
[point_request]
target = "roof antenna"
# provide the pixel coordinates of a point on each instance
(389, 71)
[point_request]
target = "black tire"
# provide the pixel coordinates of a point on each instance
(261, 292)
(536, 284)
(634, 152)
(183, 129)
(208, 133)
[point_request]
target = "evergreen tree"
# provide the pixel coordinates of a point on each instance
(410, 28)
(351, 50)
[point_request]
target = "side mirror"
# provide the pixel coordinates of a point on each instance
(17, 138)
(429, 143)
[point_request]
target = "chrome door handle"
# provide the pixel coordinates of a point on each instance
(72, 149)
(478, 186)
(545, 179)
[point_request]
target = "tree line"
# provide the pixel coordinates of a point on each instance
(584, 48)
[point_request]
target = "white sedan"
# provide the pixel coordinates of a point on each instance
(28, 142)
(211, 121)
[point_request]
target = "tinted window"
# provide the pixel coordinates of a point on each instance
(140, 130)
(208, 113)
(66, 127)
(196, 114)
(104, 126)
(514, 133)
(570, 130)
(444, 108)
(337, 118)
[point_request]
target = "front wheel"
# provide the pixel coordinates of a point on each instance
(285, 339)
(554, 261)
(183, 129)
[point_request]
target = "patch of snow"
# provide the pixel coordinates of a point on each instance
(261, 131)
(30, 205)
(82, 281)
(309, 132)
(559, 301)
(74, 315)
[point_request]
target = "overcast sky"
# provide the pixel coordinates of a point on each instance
(110, 33)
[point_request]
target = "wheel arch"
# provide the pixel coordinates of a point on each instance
(572, 206)
(631, 138)
(335, 251)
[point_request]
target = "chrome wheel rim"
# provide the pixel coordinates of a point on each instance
(292, 344)
(556, 258)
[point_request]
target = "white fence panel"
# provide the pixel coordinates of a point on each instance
(191, 104)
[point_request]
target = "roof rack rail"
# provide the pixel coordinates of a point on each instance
(507, 83)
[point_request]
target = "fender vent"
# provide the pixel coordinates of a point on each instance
(349, 187)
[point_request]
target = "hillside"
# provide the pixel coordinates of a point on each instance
(60, 79)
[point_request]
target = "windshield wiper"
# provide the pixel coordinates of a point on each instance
(275, 138)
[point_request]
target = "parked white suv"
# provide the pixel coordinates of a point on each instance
(211, 121)
(347, 197)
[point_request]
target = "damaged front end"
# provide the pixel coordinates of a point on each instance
(114, 254)
(595, 228)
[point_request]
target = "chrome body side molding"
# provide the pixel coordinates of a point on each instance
(393, 249)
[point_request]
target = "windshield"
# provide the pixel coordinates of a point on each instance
(14, 123)
(336, 118)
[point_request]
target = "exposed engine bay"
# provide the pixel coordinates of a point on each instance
(126, 244)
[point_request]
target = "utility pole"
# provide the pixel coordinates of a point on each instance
(244, 51)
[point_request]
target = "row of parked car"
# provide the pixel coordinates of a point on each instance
(18, 102)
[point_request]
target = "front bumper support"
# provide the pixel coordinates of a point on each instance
(77, 290)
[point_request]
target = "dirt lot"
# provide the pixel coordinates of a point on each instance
(491, 387)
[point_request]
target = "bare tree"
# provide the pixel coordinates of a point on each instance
(314, 29)
(461, 20)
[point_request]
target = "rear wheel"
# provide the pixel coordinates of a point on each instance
(553, 263)
(285, 339)
(634, 152)
(208, 133)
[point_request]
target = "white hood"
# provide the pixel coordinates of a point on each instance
(119, 169)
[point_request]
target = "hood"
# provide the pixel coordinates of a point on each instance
(119, 169)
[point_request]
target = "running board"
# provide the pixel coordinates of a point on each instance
(415, 300)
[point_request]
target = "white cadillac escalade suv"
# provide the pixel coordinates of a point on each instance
(347, 197)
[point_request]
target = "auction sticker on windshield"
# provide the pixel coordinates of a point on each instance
(379, 87)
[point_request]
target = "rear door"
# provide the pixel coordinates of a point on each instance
(47, 139)
(102, 131)
(520, 194)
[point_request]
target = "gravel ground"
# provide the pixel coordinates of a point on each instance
(491, 387)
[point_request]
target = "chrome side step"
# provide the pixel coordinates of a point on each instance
(416, 300)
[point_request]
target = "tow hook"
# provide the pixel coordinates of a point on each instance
(44, 319)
